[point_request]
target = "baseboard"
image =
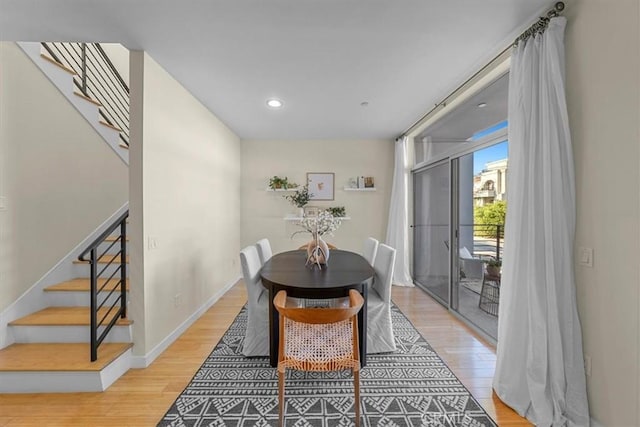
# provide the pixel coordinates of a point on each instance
(34, 299)
(140, 362)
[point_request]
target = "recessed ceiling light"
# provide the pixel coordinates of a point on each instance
(482, 105)
(274, 103)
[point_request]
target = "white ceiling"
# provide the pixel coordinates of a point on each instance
(321, 57)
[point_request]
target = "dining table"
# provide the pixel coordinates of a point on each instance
(289, 271)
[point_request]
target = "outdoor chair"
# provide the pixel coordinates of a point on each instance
(473, 268)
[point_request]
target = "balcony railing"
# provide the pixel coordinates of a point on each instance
(485, 193)
(488, 240)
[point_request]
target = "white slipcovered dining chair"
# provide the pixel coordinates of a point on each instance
(256, 338)
(370, 249)
(264, 250)
(380, 337)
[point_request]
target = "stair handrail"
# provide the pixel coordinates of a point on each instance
(98, 79)
(121, 300)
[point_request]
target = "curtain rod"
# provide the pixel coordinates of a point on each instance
(537, 27)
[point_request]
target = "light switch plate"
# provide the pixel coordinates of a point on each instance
(153, 243)
(585, 256)
(587, 365)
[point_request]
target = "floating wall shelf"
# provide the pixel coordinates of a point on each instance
(297, 218)
(280, 190)
(360, 189)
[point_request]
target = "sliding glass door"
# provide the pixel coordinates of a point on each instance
(432, 188)
(459, 211)
(479, 213)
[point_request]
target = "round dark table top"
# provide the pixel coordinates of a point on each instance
(343, 269)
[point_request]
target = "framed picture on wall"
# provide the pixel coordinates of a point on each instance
(321, 185)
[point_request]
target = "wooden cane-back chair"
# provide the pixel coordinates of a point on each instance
(304, 247)
(319, 339)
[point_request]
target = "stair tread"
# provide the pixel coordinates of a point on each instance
(114, 238)
(65, 316)
(58, 357)
(56, 63)
(104, 259)
(82, 284)
(102, 122)
(87, 98)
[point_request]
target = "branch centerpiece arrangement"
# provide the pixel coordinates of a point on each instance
(318, 225)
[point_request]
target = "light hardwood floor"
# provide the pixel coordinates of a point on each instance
(142, 396)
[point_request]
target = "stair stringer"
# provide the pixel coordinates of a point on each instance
(64, 82)
(34, 299)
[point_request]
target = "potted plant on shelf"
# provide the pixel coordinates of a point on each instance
(277, 183)
(337, 211)
(299, 199)
(493, 267)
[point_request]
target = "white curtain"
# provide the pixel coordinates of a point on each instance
(540, 370)
(398, 226)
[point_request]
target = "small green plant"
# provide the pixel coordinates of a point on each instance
(300, 198)
(494, 263)
(337, 211)
(276, 183)
(494, 267)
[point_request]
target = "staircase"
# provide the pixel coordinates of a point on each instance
(53, 347)
(52, 352)
(66, 80)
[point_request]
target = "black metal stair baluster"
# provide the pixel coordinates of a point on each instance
(94, 305)
(83, 74)
(94, 255)
(123, 269)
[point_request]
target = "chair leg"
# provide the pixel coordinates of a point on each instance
(280, 398)
(356, 388)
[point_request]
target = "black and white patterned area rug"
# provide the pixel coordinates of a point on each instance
(409, 387)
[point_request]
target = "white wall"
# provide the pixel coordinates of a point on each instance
(263, 212)
(119, 57)
(603, 71)
(186, 185)
(59, 178)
